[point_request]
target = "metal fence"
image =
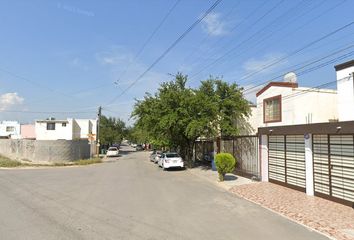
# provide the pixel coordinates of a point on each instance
(245, 150)
(204, 150)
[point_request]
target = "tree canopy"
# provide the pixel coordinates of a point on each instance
(178, 115)
(112, 130)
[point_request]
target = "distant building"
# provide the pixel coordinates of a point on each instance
(28, 131)
(10, 129)
(69, 129)
(345, 88)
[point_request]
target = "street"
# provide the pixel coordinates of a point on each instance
(130, 198)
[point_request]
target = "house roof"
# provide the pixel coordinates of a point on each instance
(344, 65)
(52, 121)
(277, 84)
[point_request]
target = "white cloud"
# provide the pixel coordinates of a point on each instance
(213, 25)
(254, 64)
(116, 60)
(10, 100)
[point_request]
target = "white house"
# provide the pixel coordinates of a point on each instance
(69, 129)
(308, 143)
(10, 129)
(284, 103)
(345, 88)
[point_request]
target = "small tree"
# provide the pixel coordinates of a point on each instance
(225, 163)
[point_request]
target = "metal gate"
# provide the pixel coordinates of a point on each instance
(276, 158)
(334, 167)
(287, 160)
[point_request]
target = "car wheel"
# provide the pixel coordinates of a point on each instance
(163, 168)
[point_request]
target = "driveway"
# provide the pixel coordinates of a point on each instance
(130, 198)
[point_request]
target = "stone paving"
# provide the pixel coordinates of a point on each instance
(332, 219)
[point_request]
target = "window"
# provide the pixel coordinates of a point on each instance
(10, 129)
(50, 126)
(63, 124)
(272, 109)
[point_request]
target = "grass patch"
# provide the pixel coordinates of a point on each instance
(7, 162)
(78, 162)
(88, 161)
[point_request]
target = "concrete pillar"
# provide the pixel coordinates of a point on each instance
(263, 155)
(309, 164)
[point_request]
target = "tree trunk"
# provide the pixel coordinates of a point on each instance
(221, 177)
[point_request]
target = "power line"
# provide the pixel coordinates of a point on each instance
(331, 8)
(306, 65)
(209, 34)
(216, 3)
(34, 83)
(147, 41)
(218, 59)
(308, 90)
(271, 33)
(45, 112)
(297, 50)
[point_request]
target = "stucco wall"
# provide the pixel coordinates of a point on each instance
(299, 106)
(15, 133)
(45, 150)
(28, 131)
(60, 131)
(345, 87)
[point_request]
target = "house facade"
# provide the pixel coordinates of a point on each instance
(10, 129)
(345, 87)
(285, 103)
(69, 129)
(313, 153)
(28, 131)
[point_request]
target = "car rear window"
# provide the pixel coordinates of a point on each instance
(172, 155)
(112, 149)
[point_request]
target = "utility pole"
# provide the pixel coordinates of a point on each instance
(98, 131)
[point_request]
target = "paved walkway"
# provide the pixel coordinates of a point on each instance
(330, 218)
(231, 180)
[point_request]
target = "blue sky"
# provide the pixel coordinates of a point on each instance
(61, 58)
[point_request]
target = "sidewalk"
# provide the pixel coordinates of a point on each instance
(231, 180)
(334, 220)
(329, 218)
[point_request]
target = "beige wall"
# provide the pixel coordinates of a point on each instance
(28, 131)
(304, 106)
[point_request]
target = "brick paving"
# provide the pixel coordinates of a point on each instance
(330, 218)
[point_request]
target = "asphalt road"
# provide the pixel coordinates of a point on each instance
(130, 198)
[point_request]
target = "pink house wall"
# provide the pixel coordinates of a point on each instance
(28, 131)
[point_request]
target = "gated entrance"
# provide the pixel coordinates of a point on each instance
(245, 149)
(334, 167)
(328, 172)
(286, 156)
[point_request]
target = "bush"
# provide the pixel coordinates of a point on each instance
(8, 163)
(225, 163)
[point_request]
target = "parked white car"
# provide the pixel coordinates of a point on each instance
(157, 157)
(170, 160)
(112, 152)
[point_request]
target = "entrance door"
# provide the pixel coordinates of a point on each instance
(287, 160)
(334, 167)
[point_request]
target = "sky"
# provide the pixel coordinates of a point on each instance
(63, 59)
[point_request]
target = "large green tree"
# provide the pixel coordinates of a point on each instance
(178, 115)
(112, 130)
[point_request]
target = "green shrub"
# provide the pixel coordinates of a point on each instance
(8, 163)
(225, 163)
